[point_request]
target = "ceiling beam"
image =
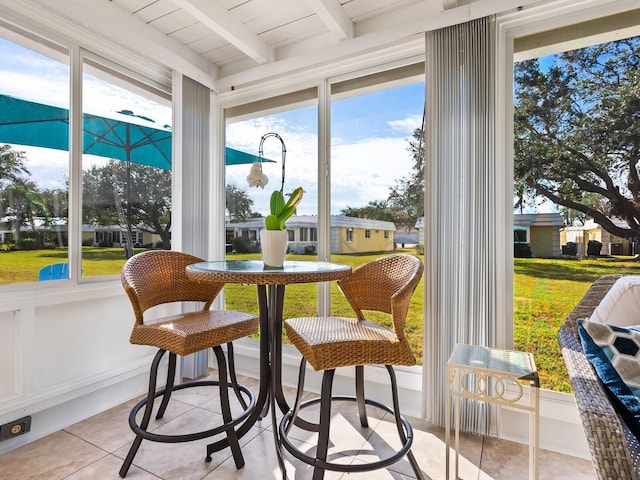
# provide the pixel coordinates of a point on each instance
(449, 4)
(372, 34)
(223, 23)
(334, 17)
(90, 22)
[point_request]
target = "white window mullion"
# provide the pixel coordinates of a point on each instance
(75, 158)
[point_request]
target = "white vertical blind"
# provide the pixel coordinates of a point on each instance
(191, 204)
(461, 203)
(191, 134)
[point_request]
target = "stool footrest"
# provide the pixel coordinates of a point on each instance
(341, 467)
(189, 437)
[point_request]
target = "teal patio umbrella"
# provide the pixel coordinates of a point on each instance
(120, 135)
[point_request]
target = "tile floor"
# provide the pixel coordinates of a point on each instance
(94, 449)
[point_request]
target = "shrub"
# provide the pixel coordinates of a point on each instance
(522, 250)
(28, 244)
(244, 245)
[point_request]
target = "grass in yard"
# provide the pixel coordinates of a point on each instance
(545, 291)
(23, 265)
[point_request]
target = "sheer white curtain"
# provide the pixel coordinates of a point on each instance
(464, 207)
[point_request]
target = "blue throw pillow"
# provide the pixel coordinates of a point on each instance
(614, 352)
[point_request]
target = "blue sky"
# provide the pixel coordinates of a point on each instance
(369, 139)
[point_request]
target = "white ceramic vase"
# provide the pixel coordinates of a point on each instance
(273, 244)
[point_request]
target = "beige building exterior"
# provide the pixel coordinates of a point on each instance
(349, 235)
(361, 235)
(581, 235)
(541, 231)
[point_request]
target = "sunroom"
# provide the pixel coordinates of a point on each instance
(221, 74)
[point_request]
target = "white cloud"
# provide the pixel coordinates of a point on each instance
(44, 88)
(361, 172)
(407, 125)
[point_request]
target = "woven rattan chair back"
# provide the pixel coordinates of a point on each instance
(157, 277)
(384, 285)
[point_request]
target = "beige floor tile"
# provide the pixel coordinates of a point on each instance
(53, 457)
(107, 468)
(428, 449)
(262, 463)
(504, 460)
(183, 461)
(81, 451)
(110, 430)
(196, 396)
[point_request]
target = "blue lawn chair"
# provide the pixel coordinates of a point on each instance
(55, 271)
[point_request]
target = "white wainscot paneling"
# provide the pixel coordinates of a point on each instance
(80, 339)
(65, 355)
(9, 385)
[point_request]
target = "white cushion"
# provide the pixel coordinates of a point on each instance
(621, 305)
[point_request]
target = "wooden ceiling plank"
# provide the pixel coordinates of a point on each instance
(219, 20)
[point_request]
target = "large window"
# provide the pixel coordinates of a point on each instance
(574, 166)
(288, 123)
(34, 162)
(377, 176)
(126, 201)
(125, 185)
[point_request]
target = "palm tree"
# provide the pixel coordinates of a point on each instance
(11, 164)
(25, 203)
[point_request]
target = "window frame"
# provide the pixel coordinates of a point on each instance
(76, 56)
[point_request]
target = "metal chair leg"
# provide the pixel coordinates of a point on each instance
(325, 422)
(227, 418)
(362, 409)
(299, 394)
(232, 375)
(147, 413)
(399, 426)
(171, 375)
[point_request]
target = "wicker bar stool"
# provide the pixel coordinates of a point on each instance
(326, 343)
(158, 277)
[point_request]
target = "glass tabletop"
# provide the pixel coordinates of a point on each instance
(511, 362)
(254, 271)
(257, 266)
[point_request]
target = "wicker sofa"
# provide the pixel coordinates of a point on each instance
(614, 449)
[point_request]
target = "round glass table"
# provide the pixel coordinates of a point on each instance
(270, 282)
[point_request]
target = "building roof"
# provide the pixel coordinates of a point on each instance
(590, 224)
(310, 221)
(553, 219)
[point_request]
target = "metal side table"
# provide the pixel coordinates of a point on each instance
(496, 376)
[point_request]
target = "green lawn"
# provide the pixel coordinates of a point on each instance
(545, 291)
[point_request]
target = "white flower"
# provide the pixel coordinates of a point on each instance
(256, 178)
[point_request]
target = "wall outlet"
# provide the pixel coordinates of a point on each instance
(15, 428)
